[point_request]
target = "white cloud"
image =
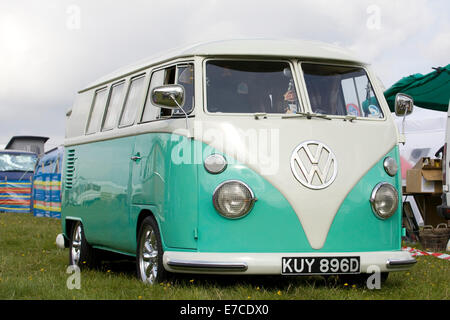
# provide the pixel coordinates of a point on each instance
(43, 62)
(439, 49)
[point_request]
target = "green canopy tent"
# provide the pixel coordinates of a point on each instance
(430, 91)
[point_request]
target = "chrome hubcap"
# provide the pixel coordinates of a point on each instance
(76, 246)
(148, 256)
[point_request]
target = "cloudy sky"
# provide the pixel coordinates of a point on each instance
(49, 49)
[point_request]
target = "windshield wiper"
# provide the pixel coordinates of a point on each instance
(307, 115)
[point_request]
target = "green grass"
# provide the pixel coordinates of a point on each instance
(31, 267)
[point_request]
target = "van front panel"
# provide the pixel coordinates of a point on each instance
(273, 225)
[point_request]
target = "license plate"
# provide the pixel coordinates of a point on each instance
(320, 265)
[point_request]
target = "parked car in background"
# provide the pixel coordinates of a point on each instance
(16, 174)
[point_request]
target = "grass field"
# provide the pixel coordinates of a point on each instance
(31, 267)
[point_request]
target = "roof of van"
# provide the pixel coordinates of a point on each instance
(241, 47)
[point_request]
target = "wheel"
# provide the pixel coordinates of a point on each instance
(149, 253)
(81, 253)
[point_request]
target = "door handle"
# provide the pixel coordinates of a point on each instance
(136, 157)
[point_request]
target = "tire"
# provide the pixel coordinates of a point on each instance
(81, 253)
(149, 253)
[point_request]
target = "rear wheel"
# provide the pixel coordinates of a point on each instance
(149, 253)
(81, 253)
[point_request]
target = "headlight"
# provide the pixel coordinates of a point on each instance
(390, 166)
(233, 199)
(384, 200)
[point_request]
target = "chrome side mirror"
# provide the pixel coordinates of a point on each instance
(168, 97)
(171, 97)
(404, 105)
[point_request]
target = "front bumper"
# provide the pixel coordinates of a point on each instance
(270, 263)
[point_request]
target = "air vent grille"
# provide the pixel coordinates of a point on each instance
(70, 168)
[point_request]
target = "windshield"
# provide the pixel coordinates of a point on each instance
(17, 162)
(250, 87)
(337, 90)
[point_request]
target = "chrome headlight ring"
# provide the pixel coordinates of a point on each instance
(384, 200)
(233, 199)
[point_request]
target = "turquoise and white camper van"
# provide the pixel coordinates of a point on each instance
(236, 157)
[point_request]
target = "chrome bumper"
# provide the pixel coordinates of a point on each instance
(207, 266)
(271, 263)
(400, 263)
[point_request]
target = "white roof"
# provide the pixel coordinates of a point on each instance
(242, 47)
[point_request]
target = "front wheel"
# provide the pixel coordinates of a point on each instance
(149, 253)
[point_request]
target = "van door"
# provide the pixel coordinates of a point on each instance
(159, 181)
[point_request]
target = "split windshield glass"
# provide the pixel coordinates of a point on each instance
(250, 87)
(340, 91)
(17, 162)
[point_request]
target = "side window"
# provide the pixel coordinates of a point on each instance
(181, 74)
(185, 77)
(151, 112)
(97, 111)
(169, 78)
(114, 106)
(132, 101)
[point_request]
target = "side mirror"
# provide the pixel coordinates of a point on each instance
(168, 97)
(404, 105)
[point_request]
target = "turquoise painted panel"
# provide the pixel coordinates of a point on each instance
(109, 191)
(100, 192)
(166, 178)
(355, 227)
(273, 226)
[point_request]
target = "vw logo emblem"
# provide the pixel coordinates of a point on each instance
(314, 165)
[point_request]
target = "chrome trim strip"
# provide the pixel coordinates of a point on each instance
(208, 265)
(397, 263)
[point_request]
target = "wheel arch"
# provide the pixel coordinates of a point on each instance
(144, 213)
(69, 223)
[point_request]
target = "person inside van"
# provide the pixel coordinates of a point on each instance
(325, 94)
(250, 87)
